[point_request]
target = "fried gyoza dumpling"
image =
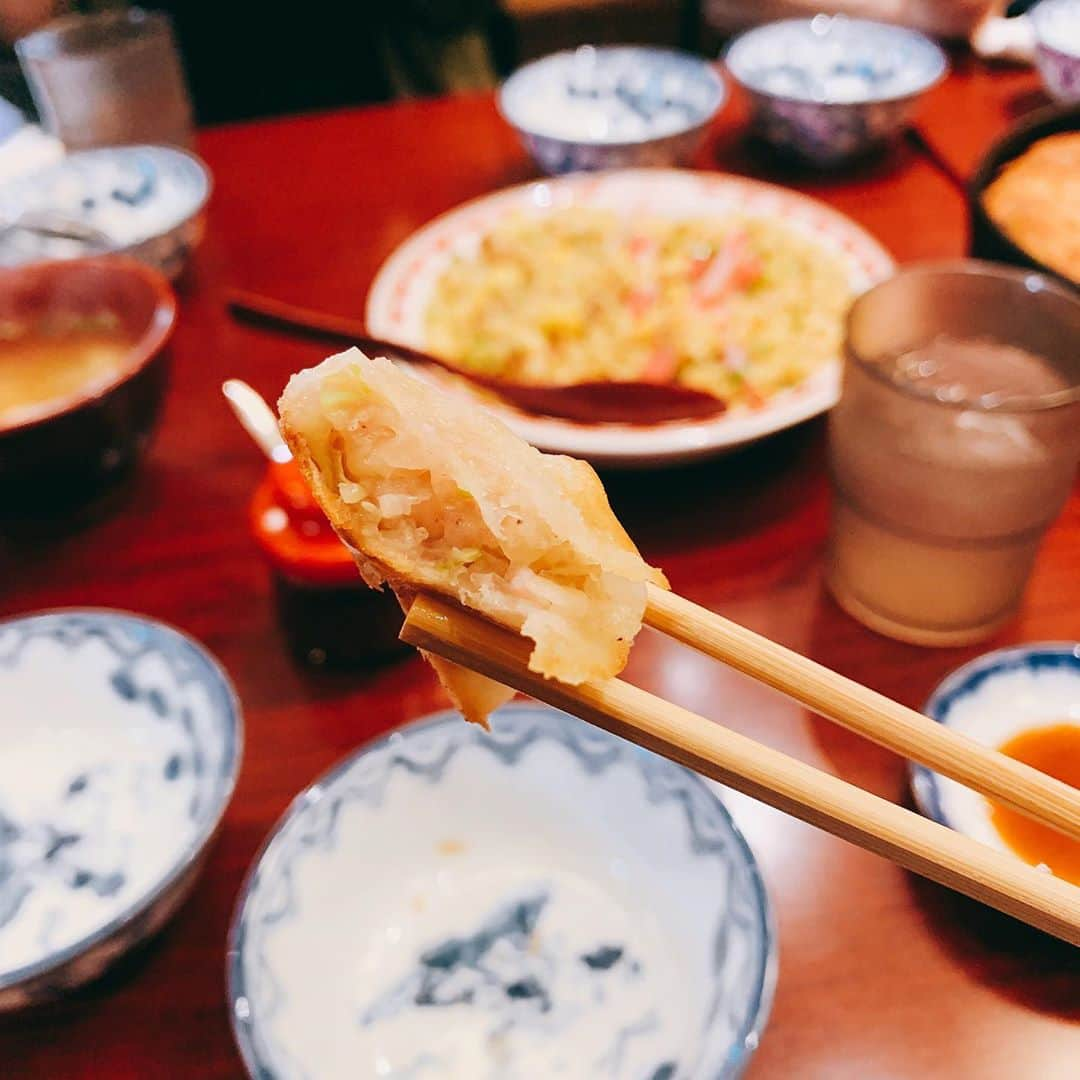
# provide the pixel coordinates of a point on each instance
(435, 494)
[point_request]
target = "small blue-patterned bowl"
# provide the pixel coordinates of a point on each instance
(147, 202)
(992, 699)
(612, 107)
(121, 744)
(1057, 47)
(541, 900)
(830, 88)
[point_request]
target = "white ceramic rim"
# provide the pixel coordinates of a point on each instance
(400, 292)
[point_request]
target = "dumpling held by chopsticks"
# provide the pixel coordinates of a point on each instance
(434, 494)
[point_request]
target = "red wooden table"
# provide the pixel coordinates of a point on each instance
(881, 975)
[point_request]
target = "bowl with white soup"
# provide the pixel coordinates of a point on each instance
(541, 899)
(122, 741)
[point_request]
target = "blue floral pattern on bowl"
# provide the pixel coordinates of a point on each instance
(612, 107)
(1057, 47)
(148, 200)
(830, 88)
(123, 749)
(477, 838)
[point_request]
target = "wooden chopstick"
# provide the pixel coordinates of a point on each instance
(869, 713)
(992, 877)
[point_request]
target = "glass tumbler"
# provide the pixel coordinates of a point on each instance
(108, 78)
(953, 446)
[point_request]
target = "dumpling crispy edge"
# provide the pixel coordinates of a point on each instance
(475, 696)
(588, 495)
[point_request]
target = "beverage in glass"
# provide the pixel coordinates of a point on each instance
(108, 78)
(953, 447)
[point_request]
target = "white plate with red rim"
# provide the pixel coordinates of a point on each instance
(402, 290)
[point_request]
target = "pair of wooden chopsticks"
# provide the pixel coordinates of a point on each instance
(926, 847)
(993, 877)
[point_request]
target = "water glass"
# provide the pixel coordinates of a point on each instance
(953, 447)
(108, 78)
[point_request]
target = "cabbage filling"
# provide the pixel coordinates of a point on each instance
(404, 504)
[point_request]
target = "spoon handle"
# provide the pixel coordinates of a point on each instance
(257, 418)
(274, 314)
(603, 401)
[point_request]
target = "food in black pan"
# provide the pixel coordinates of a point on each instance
(1035, 202)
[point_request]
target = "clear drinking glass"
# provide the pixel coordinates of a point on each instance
(108, 78)
(953, 447)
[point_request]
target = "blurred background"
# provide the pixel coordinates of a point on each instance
(247, 59)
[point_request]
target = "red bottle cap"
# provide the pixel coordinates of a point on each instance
(293, 532)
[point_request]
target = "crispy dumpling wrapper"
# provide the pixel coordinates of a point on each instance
(435, 494)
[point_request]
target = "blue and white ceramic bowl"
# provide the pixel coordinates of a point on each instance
(608, 107)
(544, 900)
(1057, 47)
(121, 743)
(142, 201)
(992, 699)
(830, 88)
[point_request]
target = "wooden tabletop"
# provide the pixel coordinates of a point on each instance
(881, 975)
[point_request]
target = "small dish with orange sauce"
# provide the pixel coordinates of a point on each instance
(1025, 702)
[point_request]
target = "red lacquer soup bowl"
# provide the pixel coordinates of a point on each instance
(83, 371)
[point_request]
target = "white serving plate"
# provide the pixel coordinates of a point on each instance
(403, 287)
